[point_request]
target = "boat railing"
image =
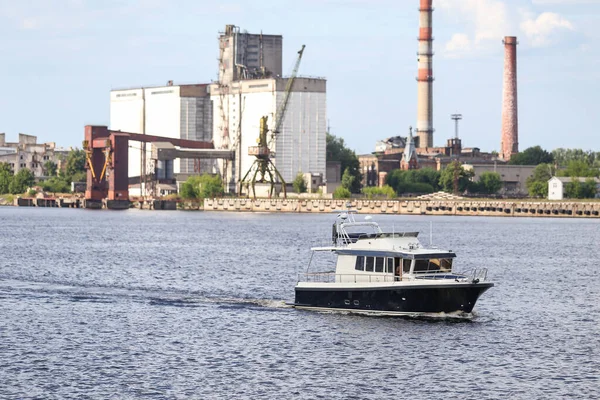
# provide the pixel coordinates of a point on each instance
(475, 276)
(330, 277)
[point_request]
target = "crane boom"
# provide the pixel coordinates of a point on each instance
(286, 94)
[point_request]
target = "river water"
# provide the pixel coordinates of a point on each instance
(178, 305)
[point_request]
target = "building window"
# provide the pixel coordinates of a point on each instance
(22, 165)
(21, 156)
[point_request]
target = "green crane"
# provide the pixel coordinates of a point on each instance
(263, 166)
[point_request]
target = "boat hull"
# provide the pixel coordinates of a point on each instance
(409, 300)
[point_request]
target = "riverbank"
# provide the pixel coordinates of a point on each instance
(409, 207)
(462, 207)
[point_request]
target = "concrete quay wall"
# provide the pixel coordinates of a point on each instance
(413, 207)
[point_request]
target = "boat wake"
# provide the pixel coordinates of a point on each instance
(74, 292)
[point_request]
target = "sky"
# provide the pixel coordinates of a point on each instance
(62, 58)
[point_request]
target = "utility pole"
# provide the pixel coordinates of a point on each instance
(456, 177)
(456, 118)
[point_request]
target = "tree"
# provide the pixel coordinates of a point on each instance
(201, 187)
(6, 176)
(537, 183)
(563, 156)
(56, 184)
(50, 168)
(21, 181)
(299, 183)
(75, 163)
(532, 156)
(579, 169)
(384, 191)
(337, 151)
(423, 180)
(348, 179)
(489, 182)
(341, 193)
(455, 172)
(581, 190)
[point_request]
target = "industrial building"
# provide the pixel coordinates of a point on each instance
(28, 153)
(300, 146)
(250, 87)
(228, 114)
(174, 111)
(514, 177)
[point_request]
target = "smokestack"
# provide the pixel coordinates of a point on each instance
(510, 119)
(425, 76)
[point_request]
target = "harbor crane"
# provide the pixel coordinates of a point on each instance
(263, 165)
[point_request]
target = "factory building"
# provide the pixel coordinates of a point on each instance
(174, 111)
(250, 87)
(27, 153)
(300, 145)
(228, 113)
(243, 55)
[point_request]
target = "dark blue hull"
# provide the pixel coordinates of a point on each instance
(393, 299)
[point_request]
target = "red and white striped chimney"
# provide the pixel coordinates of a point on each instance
(425, 77)
(510, 119)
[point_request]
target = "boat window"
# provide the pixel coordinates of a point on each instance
(434, 265)
(390, 265)
(370, 262)
(360, 263)
(406, 265)
(379, 264)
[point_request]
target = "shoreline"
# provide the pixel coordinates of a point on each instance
(460, 207)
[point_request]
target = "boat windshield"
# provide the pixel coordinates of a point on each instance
(433, 265)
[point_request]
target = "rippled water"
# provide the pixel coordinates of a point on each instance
(169, 305)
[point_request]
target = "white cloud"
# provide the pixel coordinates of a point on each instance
(30, 23)
(564, 2)
(459, 45)
(488, 21)
(541, 31)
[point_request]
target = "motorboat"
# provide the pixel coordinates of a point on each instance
(386, 273)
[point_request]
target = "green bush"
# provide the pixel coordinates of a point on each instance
(201, 187)
(299, 183)
(488, 183)
(385, 191)
(56, 185)
(423, 180)
(21, 181)
(341, 193)
(419, 188)
(31, 193)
